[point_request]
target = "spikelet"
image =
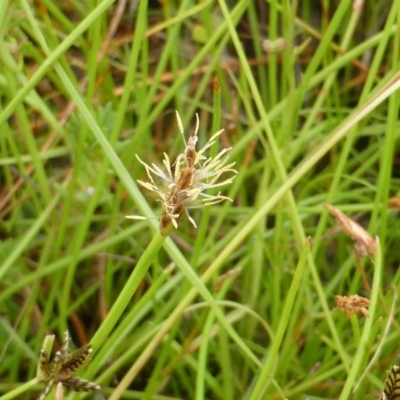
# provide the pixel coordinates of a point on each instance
(391, 390)
(187, 179)
(60, 369)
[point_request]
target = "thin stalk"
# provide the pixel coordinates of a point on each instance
(267, 370)
(128, 291)
(368, 327)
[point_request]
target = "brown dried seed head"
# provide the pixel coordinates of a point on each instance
(353, 229)
(187, 179)
(352, 304)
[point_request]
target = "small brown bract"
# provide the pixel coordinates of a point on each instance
(352, 305)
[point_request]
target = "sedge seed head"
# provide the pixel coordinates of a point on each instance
(186, 180)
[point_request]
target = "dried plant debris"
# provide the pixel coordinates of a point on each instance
(227, 275)
(391, 390)
(274, 46)
(394, 202)
(352, 305)
(187, 179)
(365, 244)
(62, 366)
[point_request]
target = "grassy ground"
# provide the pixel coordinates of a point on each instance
(243, 306)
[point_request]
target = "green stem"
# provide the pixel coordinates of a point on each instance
(365, 337)
(18, 391)
(29, 236)
(267, 369)
(127, 292)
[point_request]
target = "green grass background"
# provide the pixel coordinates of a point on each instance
(312, 120)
